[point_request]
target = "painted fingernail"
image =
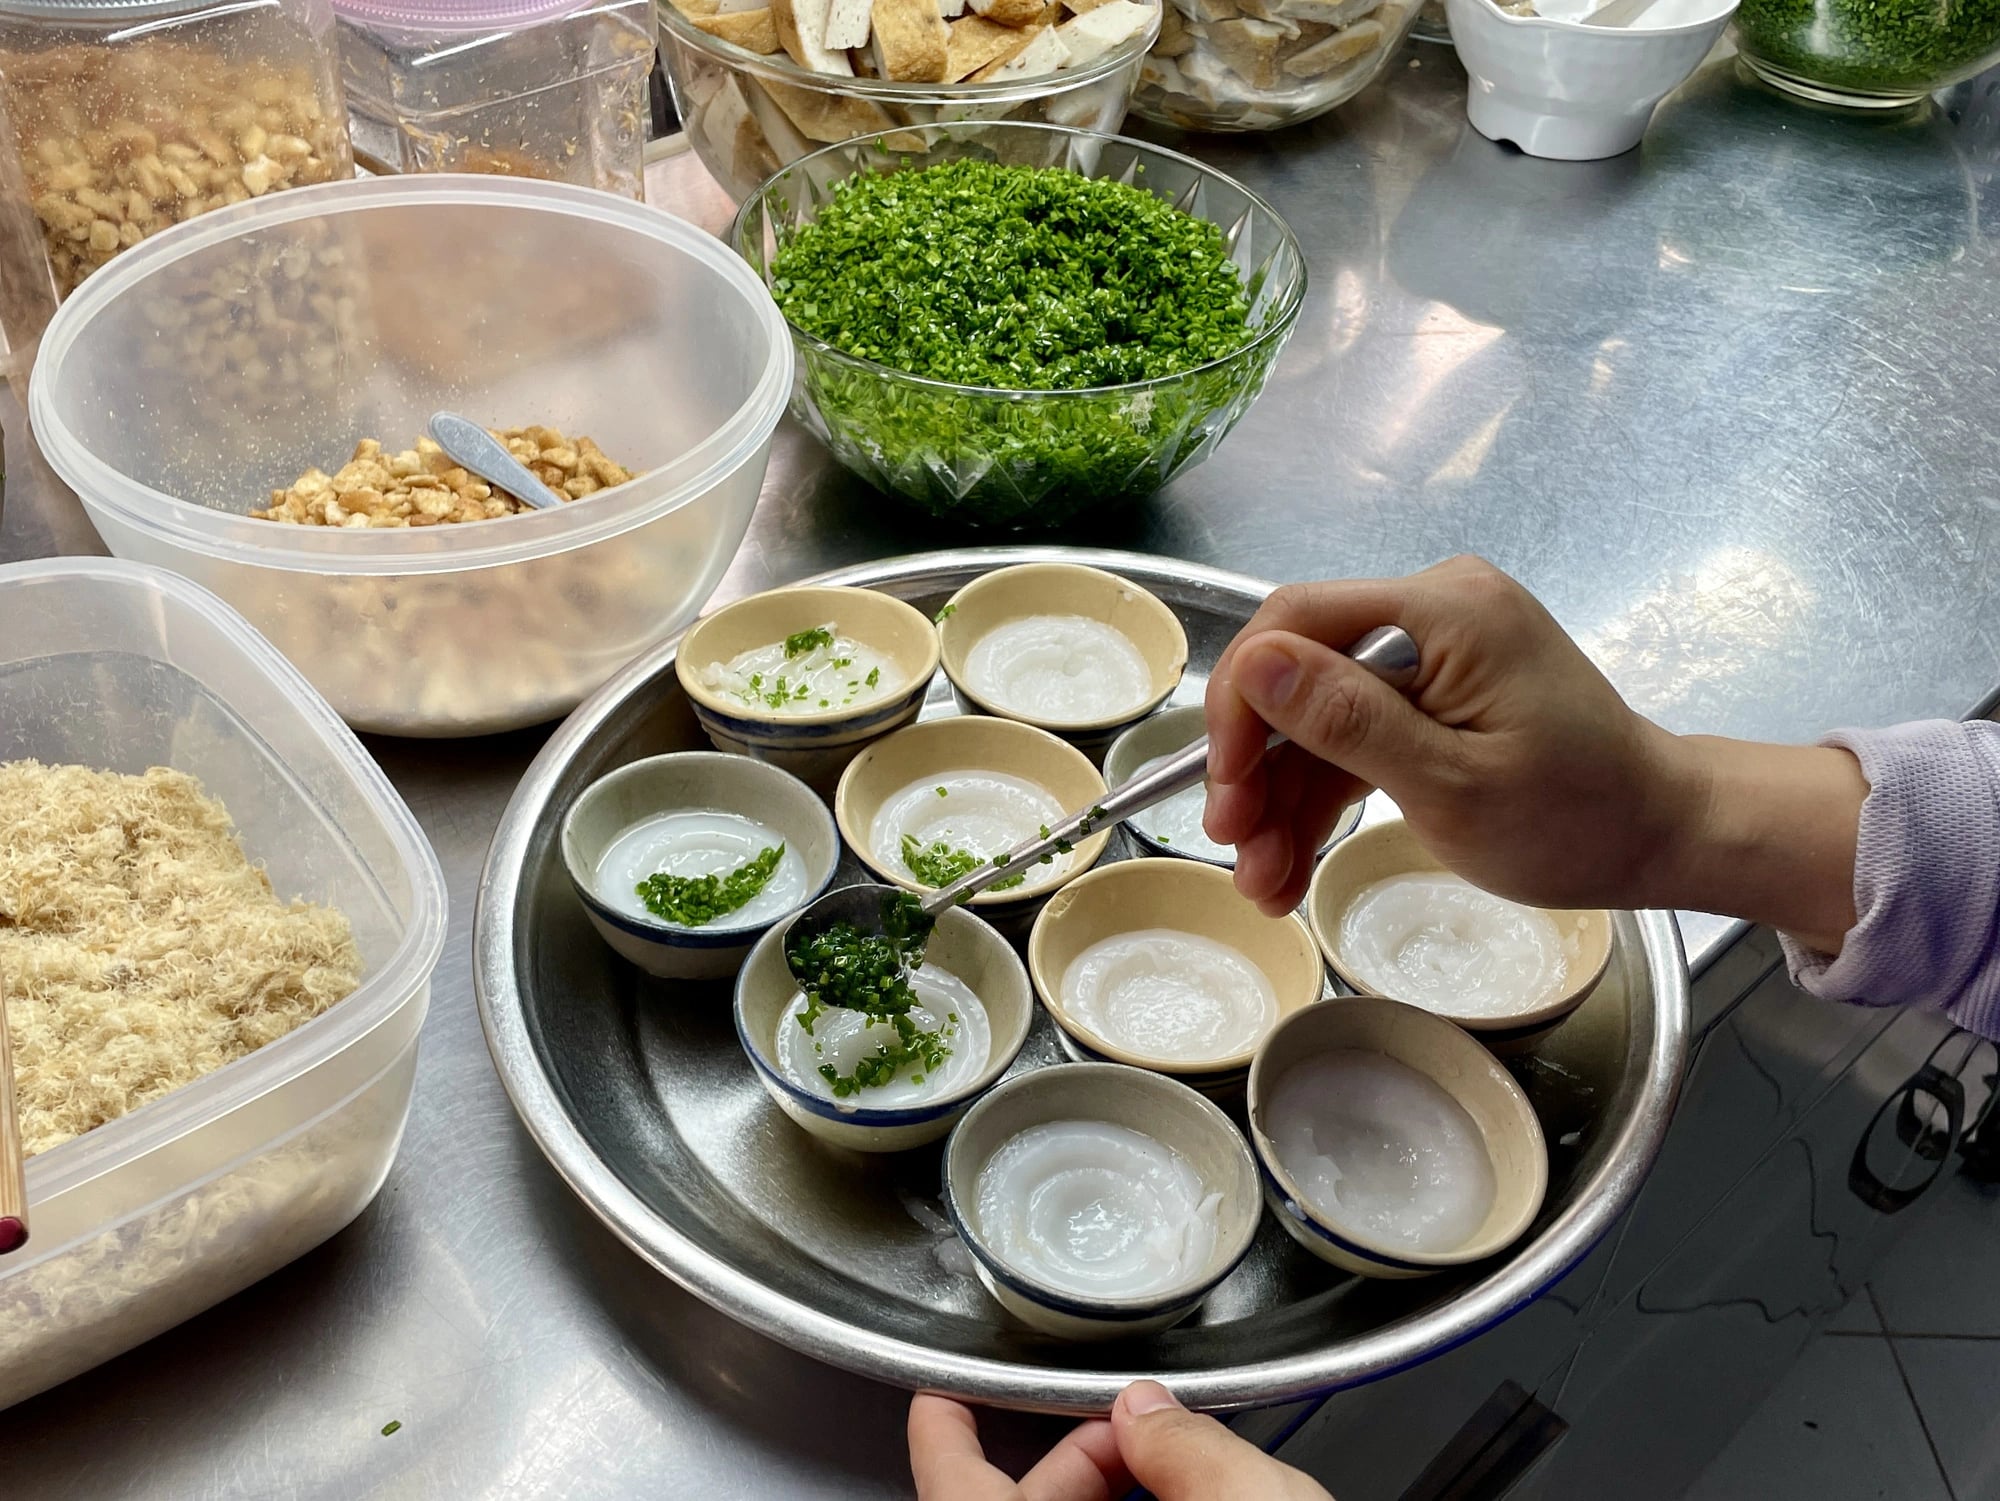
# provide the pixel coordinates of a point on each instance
(1267, 675)
(1142, 1397)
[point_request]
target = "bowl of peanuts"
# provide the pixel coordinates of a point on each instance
(241, 398)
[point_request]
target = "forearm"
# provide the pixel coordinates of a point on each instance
(1768, 834)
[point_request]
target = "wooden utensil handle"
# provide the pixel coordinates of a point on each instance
(13, 1172)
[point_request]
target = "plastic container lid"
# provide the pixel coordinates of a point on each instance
(112, 10)
(443, 17)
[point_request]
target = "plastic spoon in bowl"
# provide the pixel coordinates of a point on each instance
(1618, 13)
(469, 444)
(1387, 651)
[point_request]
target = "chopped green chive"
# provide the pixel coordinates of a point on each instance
(692, 901)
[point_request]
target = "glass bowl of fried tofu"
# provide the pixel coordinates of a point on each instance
(1240, 65)
(761, 83)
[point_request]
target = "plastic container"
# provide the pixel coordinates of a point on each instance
(1016, 460)
(635, 329)
(123, 117)
(554, 89)
(748, 115)
(1867, 54)
(1235, 65)
(153, 1217)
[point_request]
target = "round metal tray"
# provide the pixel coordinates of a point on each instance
(638, 1093)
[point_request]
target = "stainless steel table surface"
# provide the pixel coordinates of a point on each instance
(1726, 403)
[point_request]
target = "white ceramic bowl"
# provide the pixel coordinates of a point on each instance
(1467, 1072)
(690, 780)
(1008, 594)
(815, 747)
(1192, 898)
(1171, 1114)
(937, 748)
(1573, 92)
(962, 944)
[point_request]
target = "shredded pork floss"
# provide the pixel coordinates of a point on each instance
(139, 946)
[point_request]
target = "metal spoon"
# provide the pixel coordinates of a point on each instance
(469, 444)
(1387, 651)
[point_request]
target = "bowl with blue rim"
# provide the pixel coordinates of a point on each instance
(1176, 1117)
(690, 815)
(1479, 1083)
(812, 733)
(964, 948)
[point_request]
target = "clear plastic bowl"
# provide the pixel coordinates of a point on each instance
(166, 398)
(153, 1217)
(749, 115)
(1017, 460)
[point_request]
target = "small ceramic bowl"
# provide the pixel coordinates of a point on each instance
(1390, 849)
(1160, 735)
(1009, 594)
(960, 944)
(1465, 1070)
(940, 747)
(814, 747)
(1188, 897)
(1571, 92)
(691, 780)
(1171, 1114)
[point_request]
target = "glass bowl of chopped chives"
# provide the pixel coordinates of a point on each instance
(1880, 54)
(1015, 326)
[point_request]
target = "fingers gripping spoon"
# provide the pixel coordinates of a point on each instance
(1388, 652)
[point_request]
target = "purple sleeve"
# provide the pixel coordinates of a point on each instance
(1926, 877)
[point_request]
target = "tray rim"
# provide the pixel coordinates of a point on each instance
(1354, 1361)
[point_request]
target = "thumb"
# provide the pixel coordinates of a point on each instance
(1331, 706)
(1183, 1456)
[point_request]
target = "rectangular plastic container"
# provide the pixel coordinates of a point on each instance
(553, 89)
(156, 1216)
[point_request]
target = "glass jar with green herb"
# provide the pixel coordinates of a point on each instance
(1870, 53)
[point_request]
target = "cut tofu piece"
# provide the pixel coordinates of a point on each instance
(782, 137)
(1328, 53)
(1208, 78)
(951, 10)
(1044, 54)
(1089, 37)
(1324, 12)
(1175, 40)
(1272, 11)
(694, 10)
(1010, 12)
(910, 41)
(1207, 12)
(1250, 48)
(733, 7)
(733, 130)
(825, 117)
(847, 23)
(1162, 73)
(979, 43)
(752, 30)
(802, 32)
